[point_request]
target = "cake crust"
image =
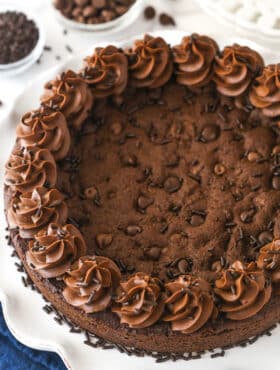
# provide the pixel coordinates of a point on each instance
(160, 338)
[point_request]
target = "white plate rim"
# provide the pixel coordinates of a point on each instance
(222, 14)
(65, 345)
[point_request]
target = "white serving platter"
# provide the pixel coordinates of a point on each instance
(255, 16)
(23, 307)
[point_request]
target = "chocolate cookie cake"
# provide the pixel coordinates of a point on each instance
(143, 194)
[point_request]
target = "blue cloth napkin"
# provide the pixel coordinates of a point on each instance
(16, 356)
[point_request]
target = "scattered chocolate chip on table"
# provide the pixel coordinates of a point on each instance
(149, 12)
(166, 20)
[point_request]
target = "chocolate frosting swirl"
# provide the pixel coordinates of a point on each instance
(194, 59)
(30, 167)
(45, 129)
(70, 95)
(140, 303)
(243, 290)
(34, 210)
(53, 249)
(149, 62)
(269, 260)
(106, 71)
(265, 93)
(91, 282)
(235, 69)
(189, 304)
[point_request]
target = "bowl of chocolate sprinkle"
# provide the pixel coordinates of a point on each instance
(97, 15)
(22, 38)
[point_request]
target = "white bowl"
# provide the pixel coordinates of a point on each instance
(122, 21)
(11, 69)
(259, 18)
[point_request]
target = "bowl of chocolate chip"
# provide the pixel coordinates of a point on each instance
(22, 38)
(97, 15)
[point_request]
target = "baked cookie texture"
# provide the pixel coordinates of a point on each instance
(143, 194)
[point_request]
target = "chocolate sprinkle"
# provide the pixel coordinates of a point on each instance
(94, 341)
(68, 48)
(218, 354)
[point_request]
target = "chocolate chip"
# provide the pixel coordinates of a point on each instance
(172, 184)
(176, 129)
(91, 192)
(144, 201)
(107, 15)
(81, 2)
(183, 266)
(89, 11)
(166, 20)
(152, 253)
(210, 132)
(196, 220)
(98, 4)
(219, 169)
(121, 9)
(265, 237)
(92, 20)
(253, 156)
(276, 182)
(132, 230)
(247, 216)
(104, 240)
(59, 4)
(149, 12)
(116, 128)
(147, 171)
